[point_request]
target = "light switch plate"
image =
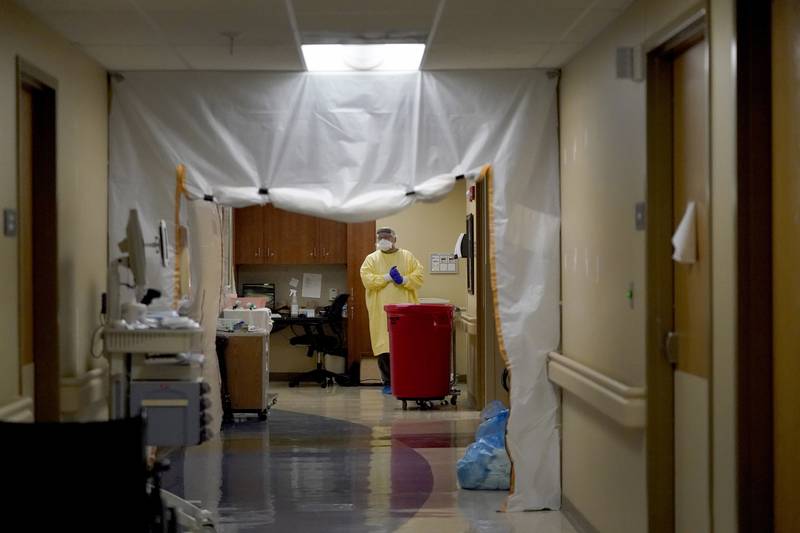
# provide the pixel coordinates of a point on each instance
(641, 216)
(9, 222)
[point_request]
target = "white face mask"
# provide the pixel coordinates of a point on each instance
(385, 245)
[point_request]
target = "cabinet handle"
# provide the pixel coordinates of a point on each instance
(258, 251)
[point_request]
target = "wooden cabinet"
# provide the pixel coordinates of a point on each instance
(360, 243)
(267, 235)
(332, 242)
(247, 369)
(290, 238)
(249, 236)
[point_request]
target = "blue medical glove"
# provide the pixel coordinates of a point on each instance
(396, 276)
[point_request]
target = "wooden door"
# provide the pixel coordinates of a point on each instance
(25, 228)
(360, 243)
(38, 240)
(786, 263)
(249, 235)
(678, 294)
(291, 238)
(331, 242)
(692, 293)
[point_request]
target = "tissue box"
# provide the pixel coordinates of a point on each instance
(258, 318)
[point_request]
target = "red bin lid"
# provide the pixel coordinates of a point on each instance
(416, 309)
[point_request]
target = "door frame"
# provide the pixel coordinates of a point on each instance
(47, 373)
(660, 429)
(754, 324)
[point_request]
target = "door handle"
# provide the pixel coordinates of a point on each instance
(671, 347)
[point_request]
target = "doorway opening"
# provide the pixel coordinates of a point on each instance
(678, 286)
(37, 240)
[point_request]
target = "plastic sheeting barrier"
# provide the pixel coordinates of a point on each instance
(361, 146)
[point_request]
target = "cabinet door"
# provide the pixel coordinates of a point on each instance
(331, 242)
(248, 236)
(291, 238)
(244, 361)
(360, 243)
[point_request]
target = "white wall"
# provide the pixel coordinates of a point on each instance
(82, 190)
(603, 173)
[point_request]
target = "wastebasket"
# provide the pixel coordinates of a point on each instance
(420, 340)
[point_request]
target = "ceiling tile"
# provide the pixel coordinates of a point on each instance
(364, 6)
(471, 34)
(484, 55)
(559, 54)
(41, 6)
(358, 23)
(533, 26)
(589, 26)
(569, 4)
(243, 58)
(99, 28)
(136, 57)
(613, 4)
(253, 27)
(210, 6)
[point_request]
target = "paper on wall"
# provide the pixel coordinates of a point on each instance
(685, 238)
(312, 285)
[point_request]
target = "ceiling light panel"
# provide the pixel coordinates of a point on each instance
(364, 58)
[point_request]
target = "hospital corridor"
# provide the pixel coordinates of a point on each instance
(523, 266)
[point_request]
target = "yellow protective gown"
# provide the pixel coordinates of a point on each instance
(381, 292)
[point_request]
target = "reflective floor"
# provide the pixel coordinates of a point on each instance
(344, 460)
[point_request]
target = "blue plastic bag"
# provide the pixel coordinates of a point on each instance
(486, 465)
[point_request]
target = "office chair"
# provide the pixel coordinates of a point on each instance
(321, 344)
(87, 477)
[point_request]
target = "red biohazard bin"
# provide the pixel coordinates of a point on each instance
(420, 340)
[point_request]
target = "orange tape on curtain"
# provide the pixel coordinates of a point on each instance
(180, 190)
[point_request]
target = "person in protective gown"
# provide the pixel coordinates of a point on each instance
(390, 275)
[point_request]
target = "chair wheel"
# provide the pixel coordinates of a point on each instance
(405, 405)
(323, 383)
(262, 415)
(294, 383)
(453, 400)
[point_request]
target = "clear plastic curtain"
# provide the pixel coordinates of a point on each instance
(357, 147)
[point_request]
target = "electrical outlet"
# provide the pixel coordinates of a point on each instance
(332, 294)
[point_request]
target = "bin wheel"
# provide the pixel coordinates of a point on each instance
(453, 400)
(405, 405)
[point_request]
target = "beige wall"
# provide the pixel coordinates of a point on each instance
(603, 173)
(82, 185)
(424, 229)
